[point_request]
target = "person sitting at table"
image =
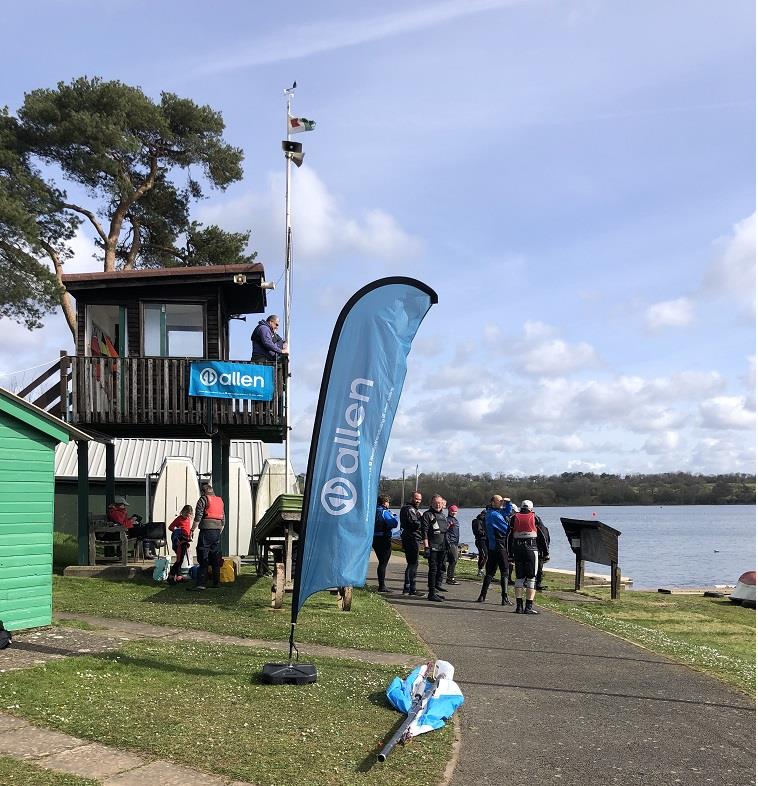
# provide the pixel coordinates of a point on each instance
(117, 513)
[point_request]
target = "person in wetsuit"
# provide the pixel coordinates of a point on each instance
(479, 531)
(410, 537)
(525, 540)
(543, 551)
(497, 550)
(384, 522)
(433, 528)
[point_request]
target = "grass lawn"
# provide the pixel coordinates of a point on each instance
(242, 609)
(202, 705)
(710, 634)
(21, 773)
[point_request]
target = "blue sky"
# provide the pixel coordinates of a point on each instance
(575, 178)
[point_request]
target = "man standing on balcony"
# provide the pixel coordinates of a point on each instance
(267, 345)
(209, 517)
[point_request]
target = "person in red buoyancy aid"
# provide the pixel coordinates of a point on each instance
(209, 518)
(525, 541)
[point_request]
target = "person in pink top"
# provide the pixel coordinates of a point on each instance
(181, 538)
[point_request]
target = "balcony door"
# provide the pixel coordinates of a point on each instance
(175, 330)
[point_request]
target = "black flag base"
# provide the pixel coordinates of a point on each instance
(289, 673)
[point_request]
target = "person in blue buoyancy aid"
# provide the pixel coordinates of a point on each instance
(384, 522)
(496, 522)
(525, 541)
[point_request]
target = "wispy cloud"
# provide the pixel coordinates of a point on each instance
(299, 41)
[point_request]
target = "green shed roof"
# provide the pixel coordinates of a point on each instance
(37, 418)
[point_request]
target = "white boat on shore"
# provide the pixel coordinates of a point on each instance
(744, 592)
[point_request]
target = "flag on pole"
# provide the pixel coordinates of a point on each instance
(298, 124)
(363, 377)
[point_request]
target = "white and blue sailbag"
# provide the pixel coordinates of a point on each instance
(441, 696)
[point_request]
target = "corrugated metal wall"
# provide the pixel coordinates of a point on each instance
(137, 458)
(26, 525)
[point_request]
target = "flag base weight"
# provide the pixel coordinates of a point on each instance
(289, 673)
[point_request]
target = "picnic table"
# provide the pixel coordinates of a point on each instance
(275, 537)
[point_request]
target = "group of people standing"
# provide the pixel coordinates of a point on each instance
(506, 537)
(434, 531)
(209, 519)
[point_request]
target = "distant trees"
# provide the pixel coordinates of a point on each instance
(583, 488)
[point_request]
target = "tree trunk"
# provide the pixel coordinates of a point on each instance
(67, 304)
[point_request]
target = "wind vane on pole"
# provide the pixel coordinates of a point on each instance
(293, 153)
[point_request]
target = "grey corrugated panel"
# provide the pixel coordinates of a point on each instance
(135, 458)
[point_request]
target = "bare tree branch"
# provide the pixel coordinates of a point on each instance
(91, 216)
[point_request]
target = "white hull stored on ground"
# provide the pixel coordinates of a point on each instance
(744, 592)
(177, 486)
(271, 483)
(240, 513)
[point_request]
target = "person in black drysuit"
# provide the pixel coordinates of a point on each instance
(496, 523)
(410, 537)
(543, 552)
(452, 538)
(433, 528)
(480, 540)
(384, 522)
(525, 539)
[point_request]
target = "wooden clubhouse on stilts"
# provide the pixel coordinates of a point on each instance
(140, 336)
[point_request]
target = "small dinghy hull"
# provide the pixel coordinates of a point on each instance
(744, 592)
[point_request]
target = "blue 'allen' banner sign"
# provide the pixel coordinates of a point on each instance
(363, 378)
(221, 379)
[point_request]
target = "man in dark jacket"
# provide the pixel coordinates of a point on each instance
(267, 345)
(410, 536)
(433, 528)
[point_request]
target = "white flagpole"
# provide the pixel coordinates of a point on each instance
(288, 291)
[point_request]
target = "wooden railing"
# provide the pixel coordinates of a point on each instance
(140, 391)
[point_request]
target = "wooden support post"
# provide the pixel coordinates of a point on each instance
(63, 386)
(220, 444)
(288, 532)
(615, 580)
(579, 577)
(225, 448)
(83, 501)
(110, 473)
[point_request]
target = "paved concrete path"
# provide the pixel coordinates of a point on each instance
(549, 700)
(111, 766)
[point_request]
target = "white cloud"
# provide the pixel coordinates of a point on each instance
(670, 313)
(321, 227)
(541, 353)
(727, 412)
(662, 443)
(733, 271)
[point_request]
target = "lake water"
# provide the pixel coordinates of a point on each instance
(671, 546)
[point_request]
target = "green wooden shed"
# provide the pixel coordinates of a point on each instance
(28, 436)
